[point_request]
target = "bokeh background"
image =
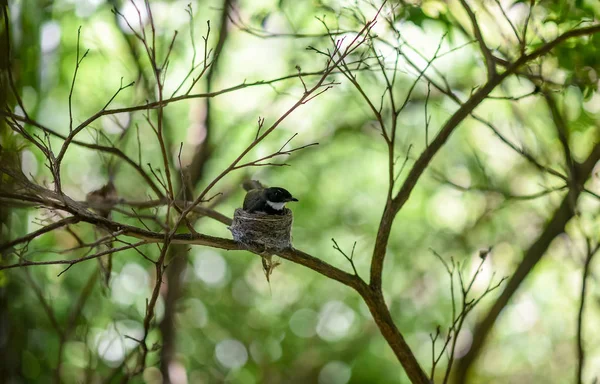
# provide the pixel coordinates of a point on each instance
(230, 324)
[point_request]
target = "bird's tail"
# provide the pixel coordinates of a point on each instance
(252, 184)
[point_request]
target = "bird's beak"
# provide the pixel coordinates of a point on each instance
(293, 199)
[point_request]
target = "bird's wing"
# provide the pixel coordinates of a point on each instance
(252, 200)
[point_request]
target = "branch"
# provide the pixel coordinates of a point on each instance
(178, 258)
(39, 232)
(555, 227)
(383, 318)
(47, 308)
(586, 270)
(512, 26)
(562, 133)
(203, 211)
(280, 152)
(73, 133)
(522, 152)
(77, 64)
(331, 64)
(487, 55)
(393, 207)
(96, 147)
(70, 263)
(349, 258)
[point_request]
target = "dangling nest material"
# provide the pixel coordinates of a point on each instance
(262, 233)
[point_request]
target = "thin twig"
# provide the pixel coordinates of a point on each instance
(349, 258)
(590, 252)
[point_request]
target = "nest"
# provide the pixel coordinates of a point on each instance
(264, 234)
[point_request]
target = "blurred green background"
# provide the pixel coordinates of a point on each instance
(230, 324)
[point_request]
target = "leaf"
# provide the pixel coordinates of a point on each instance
(416, 16)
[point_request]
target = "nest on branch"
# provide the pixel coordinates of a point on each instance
(263, 234)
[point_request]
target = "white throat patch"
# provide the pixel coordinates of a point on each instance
(276, 206)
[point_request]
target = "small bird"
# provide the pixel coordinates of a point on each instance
(266, 200)
(103, 199)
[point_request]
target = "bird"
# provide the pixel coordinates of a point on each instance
(270, 200)
(103, 199)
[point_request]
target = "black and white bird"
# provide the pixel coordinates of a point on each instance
(266, 200)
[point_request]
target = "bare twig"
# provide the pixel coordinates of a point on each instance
(590, 252)
(77, 64)
(487, 55)
(72, 133)
(454, 271)
(349, 258)
(39, 232)
(70, 263)
(512, 25)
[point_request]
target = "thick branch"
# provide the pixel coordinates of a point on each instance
(381, 314)
(296, 256)
(392, 207)
(555, 227)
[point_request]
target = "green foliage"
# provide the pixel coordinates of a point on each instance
(231, 325)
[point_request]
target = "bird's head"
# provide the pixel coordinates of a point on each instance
(277, 197)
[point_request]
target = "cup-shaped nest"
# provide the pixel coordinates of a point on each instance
(262, 233)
